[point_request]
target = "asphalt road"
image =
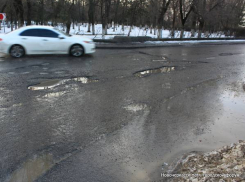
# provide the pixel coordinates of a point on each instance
(120, 124)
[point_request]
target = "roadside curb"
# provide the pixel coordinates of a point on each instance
(177, 44)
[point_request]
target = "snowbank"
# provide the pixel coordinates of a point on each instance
(225, 164)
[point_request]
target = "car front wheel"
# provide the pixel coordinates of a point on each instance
(17, 51)
(76, 50)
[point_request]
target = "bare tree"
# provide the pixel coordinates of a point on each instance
(185, 8)
(28, 2)
(91, 14)
(163, 10)
(19, 11)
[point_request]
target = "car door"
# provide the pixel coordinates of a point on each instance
(50, 41)
(30, 39)
(40, 41)
(64, 42)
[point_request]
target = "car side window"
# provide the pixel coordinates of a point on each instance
(30, 33)
(39, 33)
(48, 33)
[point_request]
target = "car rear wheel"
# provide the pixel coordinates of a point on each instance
(76, 50)
(17, 51)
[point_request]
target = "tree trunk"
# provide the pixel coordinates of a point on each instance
(182, 33)
(106, 27)
(28, 12)
(159, 33)
(11, 20)
(172, 33)
(129, 30)
(68, 27)
(42, 12)
(164, 9)
(183, 16)
(19, 11)
(89, 25)
(116, 15)
(103, 31)
(155, 31)
(91, 14)
(93, 29)
(201, 25)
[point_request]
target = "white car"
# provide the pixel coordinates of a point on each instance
(44, 40)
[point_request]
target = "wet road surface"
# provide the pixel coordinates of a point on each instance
(119, 115)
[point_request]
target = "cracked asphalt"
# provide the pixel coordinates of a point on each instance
(136, 119)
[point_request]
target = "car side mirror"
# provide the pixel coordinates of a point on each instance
(61, 37)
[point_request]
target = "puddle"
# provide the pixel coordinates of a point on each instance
(211, 58)
(136, 107)
(165, 69)
(32, 169)
(160, 60)
(145, 53)
(47, 84)
(45, 64)
(54, 94)
(166, 86)
(59, 72)
(24, 73)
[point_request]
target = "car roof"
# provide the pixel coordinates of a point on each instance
(37, 26)
(17, 31)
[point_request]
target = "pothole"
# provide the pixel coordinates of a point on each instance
(160, 60)
(165, 69)
(51, 83)
(202, 62)
(226, 54)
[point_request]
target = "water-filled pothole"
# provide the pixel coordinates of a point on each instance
(165, 69)
(51, 83)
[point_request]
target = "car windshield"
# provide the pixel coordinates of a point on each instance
(63, 33)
